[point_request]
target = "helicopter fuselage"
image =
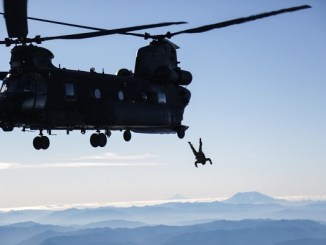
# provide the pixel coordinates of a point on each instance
(39, 96)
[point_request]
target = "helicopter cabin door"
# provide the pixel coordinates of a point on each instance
(70, 112)
(35, 93)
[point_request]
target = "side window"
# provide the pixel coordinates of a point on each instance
(69, 90)
(97, 93)
(121, 95)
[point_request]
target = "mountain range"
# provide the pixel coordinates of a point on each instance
(248, 205)
(245, 218)
(254, 232)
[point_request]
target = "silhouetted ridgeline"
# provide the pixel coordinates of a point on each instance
(260, 232)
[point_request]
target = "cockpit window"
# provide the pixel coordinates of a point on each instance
(4, 88)
(31, 83)
(8, 87)
(161, 98)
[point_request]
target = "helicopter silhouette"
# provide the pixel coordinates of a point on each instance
(36, 95)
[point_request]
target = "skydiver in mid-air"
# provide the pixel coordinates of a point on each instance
(200, 156)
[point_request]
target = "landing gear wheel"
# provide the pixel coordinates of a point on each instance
(127, 135)
(94, 140)
(102, 140)
(98, 140)
(41, 142)
(45, 142)
(37, 143)
(181, 133)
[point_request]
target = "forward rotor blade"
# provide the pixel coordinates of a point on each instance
(109, 32)
(239, 20)
(15, 13)
(63, 23)
(81, 26)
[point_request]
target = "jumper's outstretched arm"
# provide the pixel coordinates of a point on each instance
(192, 148)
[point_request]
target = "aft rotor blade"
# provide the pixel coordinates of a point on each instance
(15, 13)
(109, 32)
(135, 34)
(240, 20)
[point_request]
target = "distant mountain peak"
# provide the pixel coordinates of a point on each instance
(177, 197)
(252, 197)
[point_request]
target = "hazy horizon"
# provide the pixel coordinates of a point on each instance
(141, 203)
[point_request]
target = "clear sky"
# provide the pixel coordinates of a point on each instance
(258, 102)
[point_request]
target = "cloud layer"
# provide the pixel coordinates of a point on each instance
(108, 159)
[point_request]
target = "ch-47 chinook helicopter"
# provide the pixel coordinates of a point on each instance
(36, 95)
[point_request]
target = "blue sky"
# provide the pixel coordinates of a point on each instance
(258, 102)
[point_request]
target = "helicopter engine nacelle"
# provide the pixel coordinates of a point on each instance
(166, 74)
(185, 77)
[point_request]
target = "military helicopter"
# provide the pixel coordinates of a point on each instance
(36, 95)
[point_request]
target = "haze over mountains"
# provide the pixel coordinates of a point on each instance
(247, 205)
(245, 218)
